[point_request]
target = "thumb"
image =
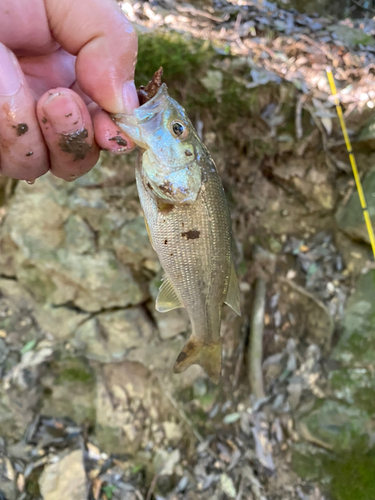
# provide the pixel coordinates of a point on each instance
(105, 43)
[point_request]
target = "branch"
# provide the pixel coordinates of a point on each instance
(255, 353)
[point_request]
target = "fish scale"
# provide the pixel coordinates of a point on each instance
(207, 258)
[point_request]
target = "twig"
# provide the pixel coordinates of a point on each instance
(256, 339)
(299, 107)
(241, 351)
(197, 12)
(330, 158)
(241, 489)
(317, 45)
(152, 486)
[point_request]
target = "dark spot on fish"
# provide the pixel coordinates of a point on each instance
(165, 242)
(181, 357)
(21, 128)
(75, 144)
(68, 114)
(44, 119)
(183, 224)
(119, 140)
(188, 153)
(171, 254)
(29, 153)
(193, 234)
(166, 187)
(75, 123)
(149, 186)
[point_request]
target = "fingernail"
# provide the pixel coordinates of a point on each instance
(129, 97)
(10, 73)
(63, 113)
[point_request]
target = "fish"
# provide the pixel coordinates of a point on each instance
(188, 222)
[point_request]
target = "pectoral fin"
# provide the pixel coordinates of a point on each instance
(167, 298)
(233, 293)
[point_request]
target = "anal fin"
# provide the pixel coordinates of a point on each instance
(233, 294)
(167, 298)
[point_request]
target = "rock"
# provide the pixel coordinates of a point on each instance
(91, 282)
(336, 426)
(59, 322)
(172, 323)
(164, 462)
(65, 479)
(129, 405)
(8, 490)
(355, 345)
(115, 336)
(352, 381)
(69, 388)
(350, 218)
(17, 409)
(66, 243)
(346, 419)
(133, 246)
(173, 432)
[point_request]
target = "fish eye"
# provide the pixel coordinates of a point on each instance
(179, 130)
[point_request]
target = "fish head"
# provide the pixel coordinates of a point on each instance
(172, 149)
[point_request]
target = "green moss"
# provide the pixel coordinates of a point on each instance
(74, 375)
(353, 476)
(180, 57)
(38, 283)
(355, 385)
(308, 461)
(348, 475)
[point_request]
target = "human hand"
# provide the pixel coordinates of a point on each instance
(61, 62)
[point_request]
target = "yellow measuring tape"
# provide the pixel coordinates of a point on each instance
(353, 163)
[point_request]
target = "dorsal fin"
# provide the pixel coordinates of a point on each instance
(233, 293)
(167, 298)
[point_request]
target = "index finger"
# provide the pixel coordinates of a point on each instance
(105, 43)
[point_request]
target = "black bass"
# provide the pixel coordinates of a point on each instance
(189, 225)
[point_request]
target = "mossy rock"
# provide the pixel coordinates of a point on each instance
(70, 390)
(356, 346)
(336, 426)
(350, 218)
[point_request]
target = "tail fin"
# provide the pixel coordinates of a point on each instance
(208, 356)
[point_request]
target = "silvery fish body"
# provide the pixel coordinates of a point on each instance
(188, 222)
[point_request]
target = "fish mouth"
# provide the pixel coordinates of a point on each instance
(135, 124)
(144, 113)
(155, 105)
